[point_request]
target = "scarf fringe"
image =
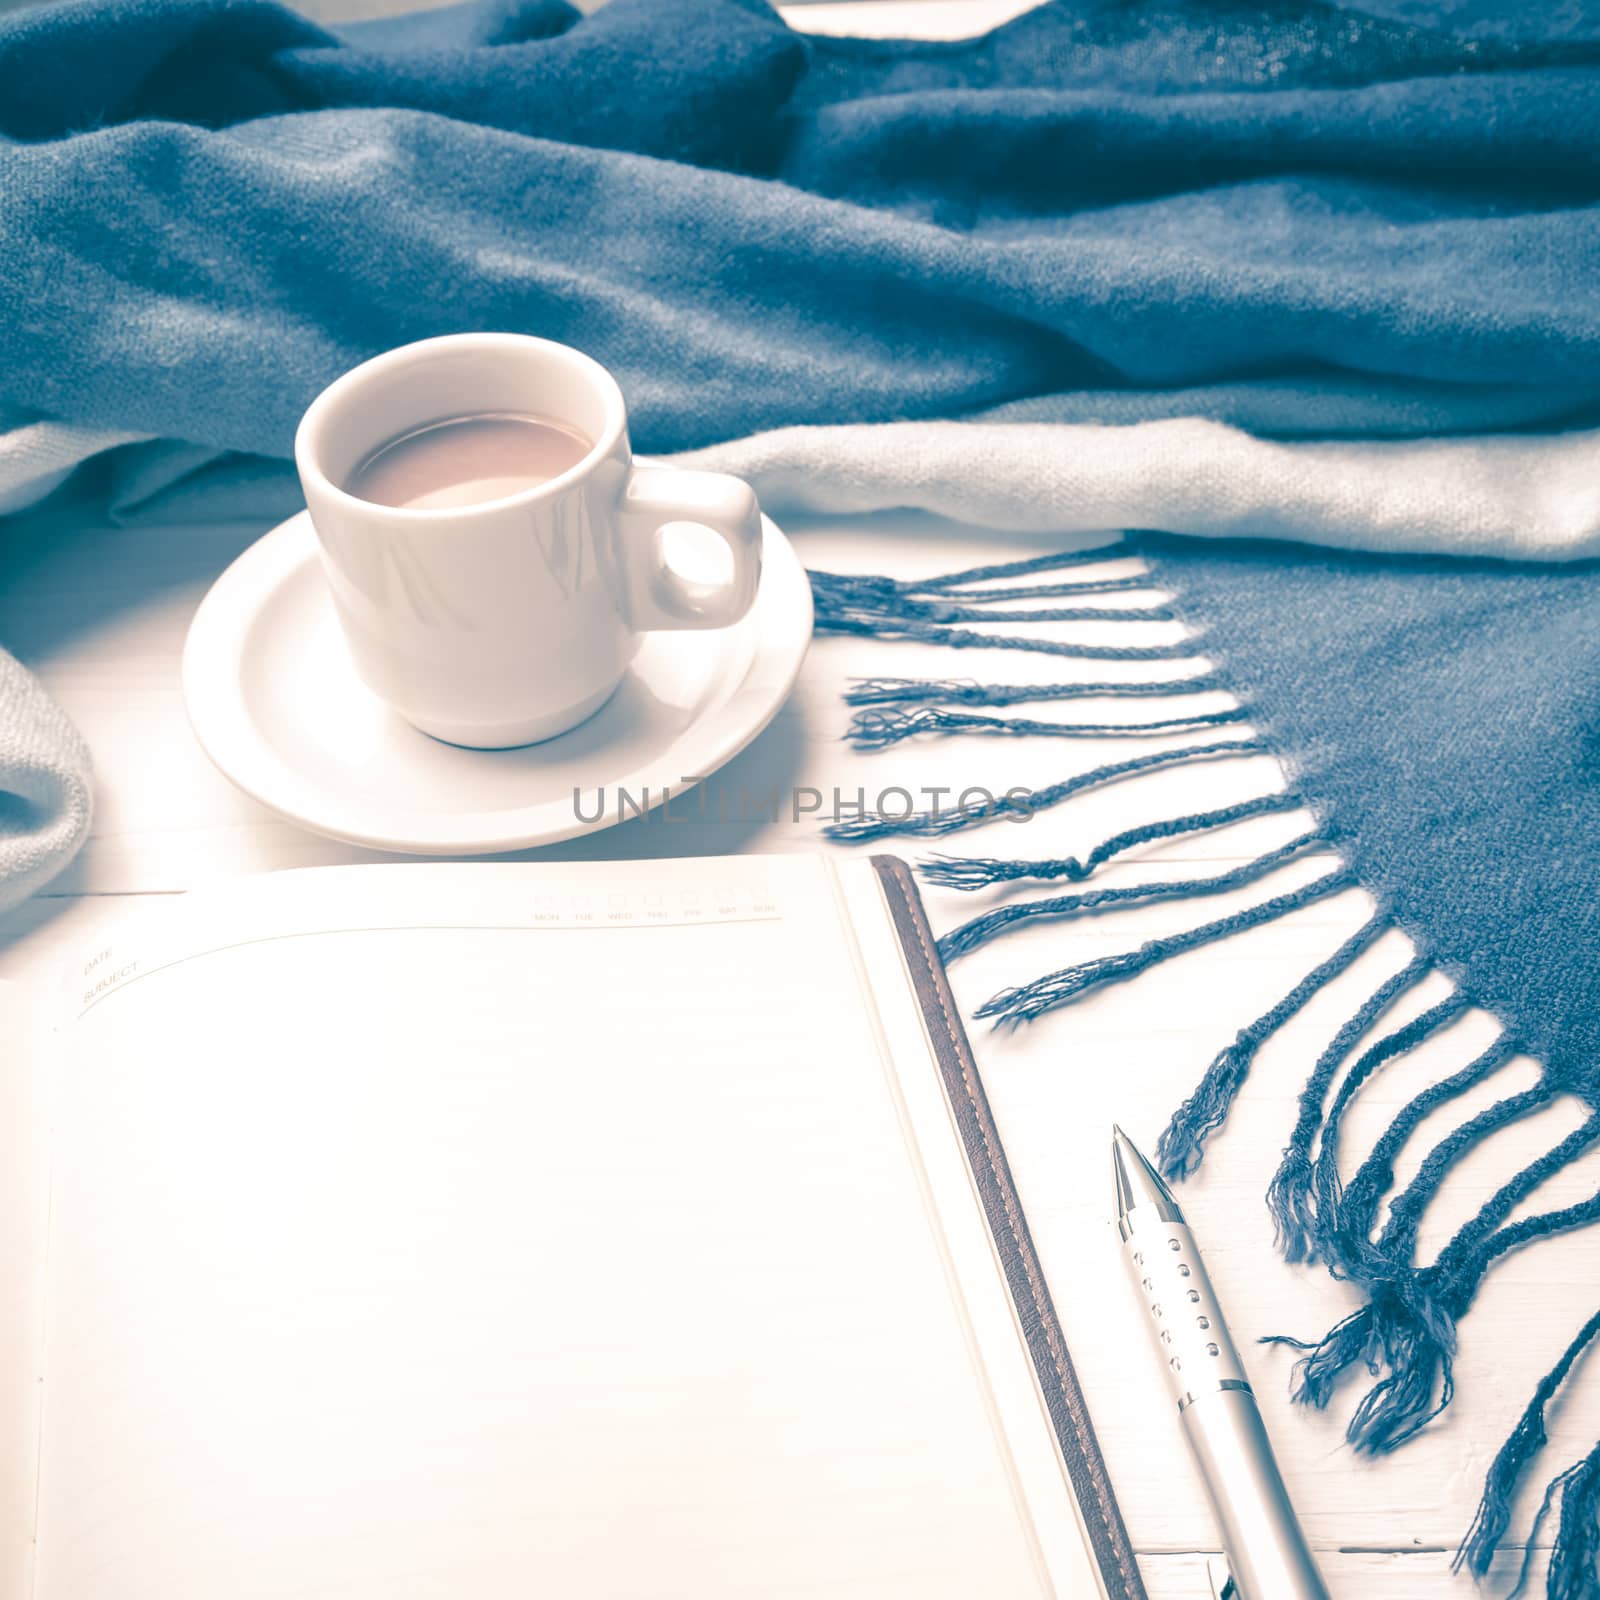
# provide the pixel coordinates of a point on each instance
(876, 730)
(1181, 1146)
(1375, 1176)
(893, 611)
(1399, 1235)
(879, 626)
(1405, 1328)
(1018, 804)
(1576, 1552)
(1405, 1334)
(1059, 561)
(924, 609)
(968, 872)
(1289, 1193)
(969, 692)
(1339, 1236)
(1011, 1007)
(980, 929)
(933, 599)
(1042, 591)
(1572, 1562)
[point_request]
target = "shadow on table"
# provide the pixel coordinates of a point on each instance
(64, 571)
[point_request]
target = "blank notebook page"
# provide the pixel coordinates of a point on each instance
(499, 1232)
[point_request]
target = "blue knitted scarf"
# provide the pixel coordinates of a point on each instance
(1294, 216)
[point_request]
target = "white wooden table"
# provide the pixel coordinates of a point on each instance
(101, 614)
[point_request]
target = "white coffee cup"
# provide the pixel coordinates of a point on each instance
(510, 621)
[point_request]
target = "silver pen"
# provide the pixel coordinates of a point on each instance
(1268, 1558)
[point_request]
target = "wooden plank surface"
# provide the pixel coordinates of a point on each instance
(102, 613)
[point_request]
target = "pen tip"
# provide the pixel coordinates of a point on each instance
(1136, 1181)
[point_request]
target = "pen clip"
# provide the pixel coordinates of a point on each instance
(1222, 1584)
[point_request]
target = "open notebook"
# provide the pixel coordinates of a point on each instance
(491, 1231)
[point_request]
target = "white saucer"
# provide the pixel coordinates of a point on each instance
(276, 704)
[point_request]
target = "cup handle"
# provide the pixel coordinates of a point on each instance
(660, 597)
